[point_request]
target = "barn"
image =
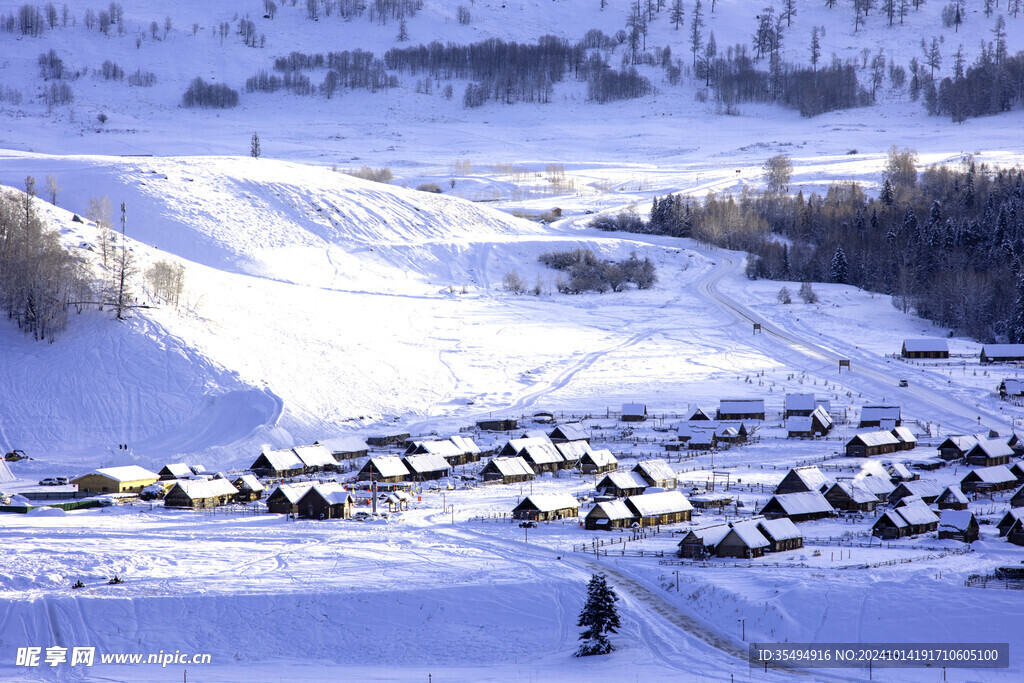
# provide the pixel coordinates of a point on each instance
(278, 464)
(989, 452)
(867, 444)
(345, 447)
(326, 501)
(200, 493)
(925, 348)
(951, 498)
(744, 540)
(508, 470)
(634, 412)
(656, 473)
(249, 488)
(621, 484)
(544, 507)
(1001, 353)
(781, 533)
(849, 496)
(799, 507)
(666, 507)
(741, 409)
(885, 417)
(284, 499)
(988, 479)
(597, 462)
(801, 479)
(125, 479)
(611, 514)
(959, 525)
(384, 468)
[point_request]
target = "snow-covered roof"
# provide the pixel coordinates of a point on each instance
(904, 434)
(445, 448)
(634, 409)
(854, 490)
(876, 485)
(917, 512)
(750, 534)
(700, 414)
(205, 488)
(573, 450)
(811, 476)
(519, 444)
(315, 456)
(926, 345)
(602, 457)
(895, 518)
(539, 434)
(622, 480)
(799, 423)
(962, 442)
(1013, 387)
(898, 469)
(997, 474)
(803, 502)
(879, 413)
(656, 470)
(389, 466)
(955, 520)
(1003, 350)
(332, 492)
(420, 463)
(465, 444)
(781, 529)
(800, 402)
(549, 502)
(953, 493)
(344, 444)
(881, 437)
(292, 492)
(993, 448)
(614, 509)
(178, 470)
(250, 482)
(127, 473)
(701, 436)
(541, 454)
(665, 502)
(923, 488)
(737, 406)
(570, 432)
(511, 466)
(284, 459)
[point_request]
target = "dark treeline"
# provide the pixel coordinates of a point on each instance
(39, 278)
(990, 86)
(587, 273)
(209, 95)
(357, 69)
(948, 246)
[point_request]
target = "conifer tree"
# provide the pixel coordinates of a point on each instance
(599, 617)
(839, 267)
(1016, 330)
(254, 146)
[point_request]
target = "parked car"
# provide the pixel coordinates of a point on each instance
(49, 481)
(904, 383)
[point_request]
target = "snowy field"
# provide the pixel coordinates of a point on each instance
(319, 305)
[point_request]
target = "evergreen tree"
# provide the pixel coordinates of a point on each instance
(599, 617)
(839, 267)
(254, 146)
(1016, 330)
(888, 195)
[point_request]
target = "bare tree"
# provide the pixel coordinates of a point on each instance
(52, 188)
(777, 172)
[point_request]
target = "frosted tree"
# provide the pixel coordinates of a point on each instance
(840, 272)
(254, 146)
(599, 617)
(777, 172)
(52, 188)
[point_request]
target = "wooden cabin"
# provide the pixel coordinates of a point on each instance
(385, 440)
(1015, 534)
(919, 517)
(515, 446)
(200, 493)
(125, 479)
(278, 464)
(176, 470)
(959, 525)
(928, 491)
(988, 480)
(597, 462)
(868, 444)
(692, 547)
(656, 473)
(508, 470)
(1011, 516)
(249, 488)
(698, 414)
(611, 514)
(849, 496)
(741, 409)
(989, 453)
(506, 424)
(345, 447)
(925, 348)
(569, 432)
(890, 526)
(1001, 353)
(1017, 500)
(384, 468)
(951, 498)
(545, 507)
(799, 405)
(799, 507)
(572, 451)
(899, 472)
(326, 501)
(666, 507)
(442, 448)
(907, 439)
(284, 499)
(469, 451)
(621, 484)
(426, 466)
(634, 412)
(955, 447)
(543, 457)
(782, 534)
(744, 540)
(800, 479)
(885, 417)
(316, 458)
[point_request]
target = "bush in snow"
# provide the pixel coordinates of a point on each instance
(512, 282)
(429, 187)
(784, 296)
(808, 294)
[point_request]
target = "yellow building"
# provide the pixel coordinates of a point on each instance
(127, 479)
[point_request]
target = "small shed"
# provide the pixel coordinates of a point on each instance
(799, 507)
(951, 498)
(200, 493)
(899, 472)
(743, 539)
(384, 468)
(800, 479)
(988, 479)
(989, 452)
(345, 447)
(656, 473)
(959, 525)
(326, 501)
(1001, 353)
(665, 507)
(611, 514)
(925, 348)
(621, 484)
(597, 462)
(249, 488)
(507, 469)
(781, 533)
(569, 432)
(868, 444)
(741, 409)
(634, 412)
(544, 507)
(880, 416)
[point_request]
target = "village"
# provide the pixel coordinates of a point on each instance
(787, 482)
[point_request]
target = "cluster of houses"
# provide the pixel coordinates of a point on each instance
(748, 538)
(938, 348)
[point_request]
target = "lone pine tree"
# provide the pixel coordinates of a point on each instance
(599, 617)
